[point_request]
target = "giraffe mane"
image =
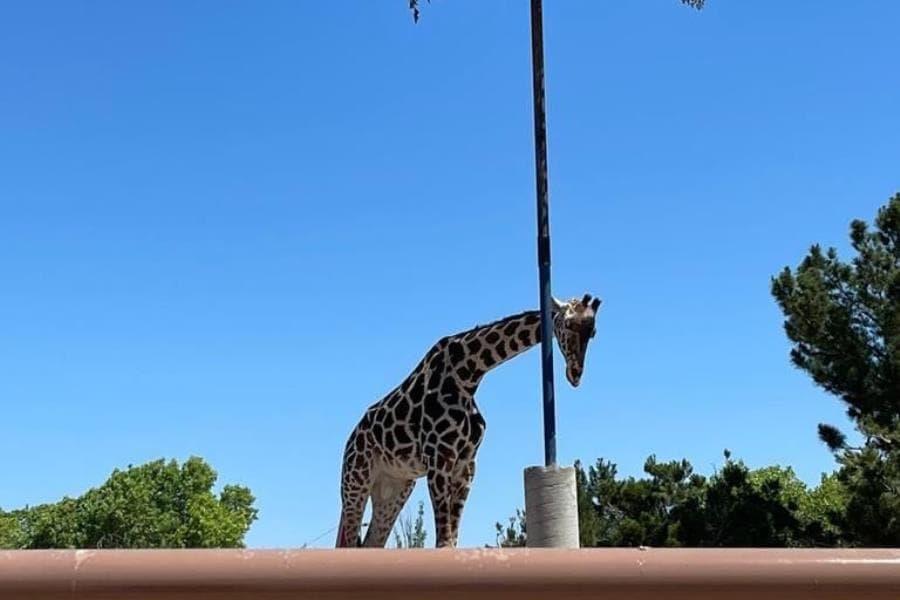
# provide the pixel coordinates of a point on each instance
(497, 321)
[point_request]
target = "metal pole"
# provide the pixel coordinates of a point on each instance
(543, 224)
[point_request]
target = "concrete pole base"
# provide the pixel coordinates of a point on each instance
(551, 507)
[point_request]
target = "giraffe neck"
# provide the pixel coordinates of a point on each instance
(475, 352)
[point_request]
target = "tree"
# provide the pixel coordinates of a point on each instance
(633, 512)
(843, 319)
(156, 505)
(767, 507)
(673, 506)
(844, 322)
(411, 533)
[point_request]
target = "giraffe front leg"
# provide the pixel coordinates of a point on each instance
(460, 484)
(449, 490)
(441, 493)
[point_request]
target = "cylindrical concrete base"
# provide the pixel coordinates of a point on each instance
(551, 507)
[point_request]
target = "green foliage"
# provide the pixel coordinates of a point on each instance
(634, 512)
(588, 520)
(843, 319)
(513, 534)
(10, 532)
(673, 506)
(872, 480)
(156, 505)
(844, 322)
(411, 533)
(740, 507)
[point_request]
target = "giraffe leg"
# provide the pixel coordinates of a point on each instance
(460, 493)
(351, 519)
(356, 486)
(388, 497)
(441, 492)
(449, 492)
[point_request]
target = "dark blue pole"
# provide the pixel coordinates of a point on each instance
(543, 224)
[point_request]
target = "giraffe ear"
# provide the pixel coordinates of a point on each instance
(596, 304)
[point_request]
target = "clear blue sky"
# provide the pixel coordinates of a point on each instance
(227, 228)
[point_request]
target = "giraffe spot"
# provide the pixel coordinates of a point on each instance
(434, 379)
(511, 327)
(449, 387)
(360, 442)
(417, 390)
(513, 346)
(487, 357)
(464, 373)
(377, 431)
(389, 440)
(457, 354)
(402, 435)
(532, 319)
(436, 363)
(402, 409)
(432, 439)
(501, 350)
(415, 418)
(433, 408)
(474, 346)
(387, 421)
(441, 426)
(439, 481)
(492, 337)
(524, 337)
(456, 415)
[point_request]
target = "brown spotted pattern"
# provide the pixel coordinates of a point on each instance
(429, 425)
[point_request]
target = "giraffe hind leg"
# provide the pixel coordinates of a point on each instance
(388, 497)
(351, 520)
(355, 489)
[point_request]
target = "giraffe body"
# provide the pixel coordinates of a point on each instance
(430, 426)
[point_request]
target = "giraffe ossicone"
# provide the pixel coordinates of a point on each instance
(429, 425)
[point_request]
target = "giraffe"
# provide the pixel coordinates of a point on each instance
(429, 425)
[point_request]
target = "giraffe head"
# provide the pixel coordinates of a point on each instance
(573, 326)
